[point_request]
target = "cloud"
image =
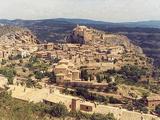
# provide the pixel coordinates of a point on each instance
(108, 10)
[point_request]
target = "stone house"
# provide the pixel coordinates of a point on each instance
(153, 101)
(48, 46)
(66, 71)
(41, 54)
(72, 103)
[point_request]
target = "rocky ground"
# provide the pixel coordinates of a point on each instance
(13, 35)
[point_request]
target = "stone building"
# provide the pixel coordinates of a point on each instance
(153, 101)
(77, 104)
(41, 54)
(48, 46)
(82, 34)
(114, 50)
(66, 71)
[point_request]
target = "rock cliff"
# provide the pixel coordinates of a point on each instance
(12, 35)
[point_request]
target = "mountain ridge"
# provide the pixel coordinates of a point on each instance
(143, 24)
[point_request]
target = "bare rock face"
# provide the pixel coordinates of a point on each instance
(12, 35)
(85, 35)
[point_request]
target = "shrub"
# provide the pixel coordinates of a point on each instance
(99, 78)
(58, 110)
(30, 83)
(132, 72)
(8, 73)
(114, 100)
(97, 116)
(129, 106)
(112, 87)
(52, 77)
(3, 62)
(144, 110)
(80, 115)
(39, 75)
(157, 109)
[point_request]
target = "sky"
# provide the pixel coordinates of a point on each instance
(104, 10)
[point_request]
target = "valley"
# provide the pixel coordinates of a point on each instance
(86, 70)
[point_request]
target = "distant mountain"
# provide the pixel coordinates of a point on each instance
(142, 24)
(82, 21)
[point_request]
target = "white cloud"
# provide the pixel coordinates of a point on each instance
(108, 10)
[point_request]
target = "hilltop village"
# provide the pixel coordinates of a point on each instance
(93, 72)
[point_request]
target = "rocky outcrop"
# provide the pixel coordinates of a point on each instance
(85, 35)
(12, 35)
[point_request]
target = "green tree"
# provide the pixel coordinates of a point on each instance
(9, 73)
(84, 74)
(99, 78)
(3, 62)
(52, 77)
(112, 87)
(82, 91)
(39, 75)
(132, 73)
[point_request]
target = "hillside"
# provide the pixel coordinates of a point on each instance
(12, 35)
(105, 65)
(144, 34)
(82, 35)
(147, 38)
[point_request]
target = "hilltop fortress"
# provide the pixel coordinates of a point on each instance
(85, 35)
